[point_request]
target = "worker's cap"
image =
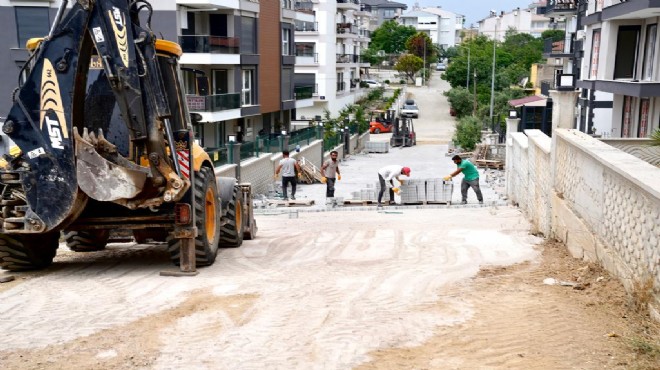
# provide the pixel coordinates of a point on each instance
(405, 171)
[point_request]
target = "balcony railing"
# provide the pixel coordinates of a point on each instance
(213, 103)
(348, 58)
(365, 8)
(308, 54)
(561, 6)
(304, 92)
(364, 33)
(347, 28)
(348, 2)
(304, 6)
(302, 26)
(210, 44)
(558, 48)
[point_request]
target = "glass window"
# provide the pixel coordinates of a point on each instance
(31, 22)
(246, 90)
(625, 58)
(627, 116)
(220, 81)
(248, 35)
(643, 117)
(595, 50)
(285, 41)
(287, 88)
(649, 51)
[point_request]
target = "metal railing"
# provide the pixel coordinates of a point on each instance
(308, 54)
(348, 2)
(304, 6)
(213, 103)
(303, 26)
(218, 156)
(561, 6)
(210, 44)
(348, 58)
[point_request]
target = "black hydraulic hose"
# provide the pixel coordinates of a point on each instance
(58, 17)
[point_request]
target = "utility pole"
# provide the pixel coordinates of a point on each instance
(467, 84)
(474, 109)
(424, 69)
(492, 80)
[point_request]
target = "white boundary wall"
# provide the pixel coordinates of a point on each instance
(603, 203)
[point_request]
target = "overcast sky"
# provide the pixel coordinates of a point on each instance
(473, 10)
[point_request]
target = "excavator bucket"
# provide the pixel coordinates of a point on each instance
(102, 179)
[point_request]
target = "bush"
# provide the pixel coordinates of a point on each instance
(402, 82)
(387, 81)
(363, 84)
(461, 101)
(468, 133)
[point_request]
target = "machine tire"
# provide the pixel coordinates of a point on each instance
(207, 219)
(28, 252)
(377, 131)
(87, 241)
(233, 229)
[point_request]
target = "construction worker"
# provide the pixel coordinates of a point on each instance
(330, 173)
(386, 175)
(470, 178)
(289, 168)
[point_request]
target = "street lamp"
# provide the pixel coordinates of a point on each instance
(492, 79)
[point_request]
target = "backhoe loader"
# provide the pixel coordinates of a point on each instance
(106, 144)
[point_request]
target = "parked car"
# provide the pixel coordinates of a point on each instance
(440, 67)
(409, 109)
(372, 83)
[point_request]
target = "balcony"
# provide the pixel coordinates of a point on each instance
(638, 9)
(305, 57)
(304, 92)
(304, 7)
(348, 4)
(213, 103)
(210, 44)
(302, 26)
(344, 29)
(348, 58)
(364, 34)
(558, 49)
(557, 8)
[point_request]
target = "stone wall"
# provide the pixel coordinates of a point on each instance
(603, 203)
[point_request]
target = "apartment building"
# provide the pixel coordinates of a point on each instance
(329, 39)
(530, 20)
(442, 26)
(382, 11)
(237, 63)
(621, 61)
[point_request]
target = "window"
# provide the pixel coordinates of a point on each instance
(643, 117)
(595, 50)
(31, 22)
(599, 5)
(248, 35)
(627, 116)
(287, 84)
(625, 58)
(340, 81)
(388, 13)
(649, 51)
(305, 49)
(286, 34)
(220, 81)
(247, 92)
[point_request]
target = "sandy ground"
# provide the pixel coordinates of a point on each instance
(408, 288)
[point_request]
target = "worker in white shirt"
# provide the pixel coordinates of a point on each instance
(385, 177)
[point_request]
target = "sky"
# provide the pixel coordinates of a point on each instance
(473, 10)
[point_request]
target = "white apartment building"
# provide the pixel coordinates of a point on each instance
(329, 40)
(621, 60)
(521, 20)
(442, 26)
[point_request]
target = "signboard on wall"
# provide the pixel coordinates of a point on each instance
(195, 102)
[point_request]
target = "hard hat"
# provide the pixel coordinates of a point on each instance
(405, 171)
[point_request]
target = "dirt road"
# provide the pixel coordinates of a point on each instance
(443, 288)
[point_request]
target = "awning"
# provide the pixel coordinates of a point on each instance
(529, 101)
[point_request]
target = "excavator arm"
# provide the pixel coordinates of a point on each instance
(63, 161)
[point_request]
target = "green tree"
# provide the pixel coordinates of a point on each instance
(468, 133)
(410, 65)
(460, 100)
(555, 35)
(371, 56)
(391, 37)
(449, 53)
(422, 46)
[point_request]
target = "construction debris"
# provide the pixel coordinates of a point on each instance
(310, 173)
